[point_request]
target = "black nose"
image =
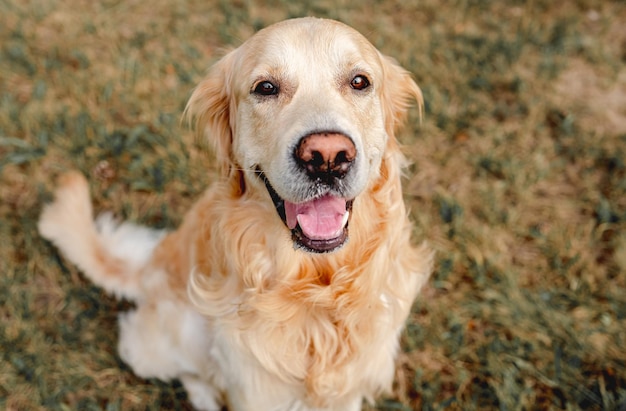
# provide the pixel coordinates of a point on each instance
(326, 155)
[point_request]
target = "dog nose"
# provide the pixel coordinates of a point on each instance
(326, 154)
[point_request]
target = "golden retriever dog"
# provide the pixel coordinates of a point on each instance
(288, 283)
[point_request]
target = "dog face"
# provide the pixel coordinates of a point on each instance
(305, 109)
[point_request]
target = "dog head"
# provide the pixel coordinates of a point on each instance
(305, 110)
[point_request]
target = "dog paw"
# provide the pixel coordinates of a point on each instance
(202, 395)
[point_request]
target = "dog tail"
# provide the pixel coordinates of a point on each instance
(110, 254)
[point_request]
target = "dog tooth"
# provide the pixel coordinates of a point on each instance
(345, 219)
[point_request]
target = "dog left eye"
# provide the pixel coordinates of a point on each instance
(360, 82)
(265, 88)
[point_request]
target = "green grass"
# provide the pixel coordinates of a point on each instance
(518, 182)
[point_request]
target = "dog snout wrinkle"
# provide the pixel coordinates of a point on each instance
(326, 155)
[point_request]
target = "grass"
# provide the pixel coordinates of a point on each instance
(518, 182)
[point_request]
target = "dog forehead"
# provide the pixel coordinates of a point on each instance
(306, 43)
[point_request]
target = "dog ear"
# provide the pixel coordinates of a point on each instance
(398, 90)
(212, 106)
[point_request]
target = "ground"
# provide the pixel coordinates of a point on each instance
(518, 180)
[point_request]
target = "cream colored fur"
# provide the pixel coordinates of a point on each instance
(226, 303)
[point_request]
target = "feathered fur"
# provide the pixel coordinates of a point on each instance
(226, 303)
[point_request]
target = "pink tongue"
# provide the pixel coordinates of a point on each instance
(320, 219)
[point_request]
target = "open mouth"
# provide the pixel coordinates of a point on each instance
(319, 225)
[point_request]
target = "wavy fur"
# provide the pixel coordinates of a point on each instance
(226, 303)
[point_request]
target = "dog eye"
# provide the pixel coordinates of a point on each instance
(360, 83)
(265, 88)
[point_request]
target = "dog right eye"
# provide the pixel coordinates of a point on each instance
(265, 88)
(360, 82)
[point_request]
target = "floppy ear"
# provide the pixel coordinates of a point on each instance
(398, 90)
(212, 106)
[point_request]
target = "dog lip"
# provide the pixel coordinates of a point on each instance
(319, 246)
(279, 203)
(297, 235)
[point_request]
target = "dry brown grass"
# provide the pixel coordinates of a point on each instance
(519, 182)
